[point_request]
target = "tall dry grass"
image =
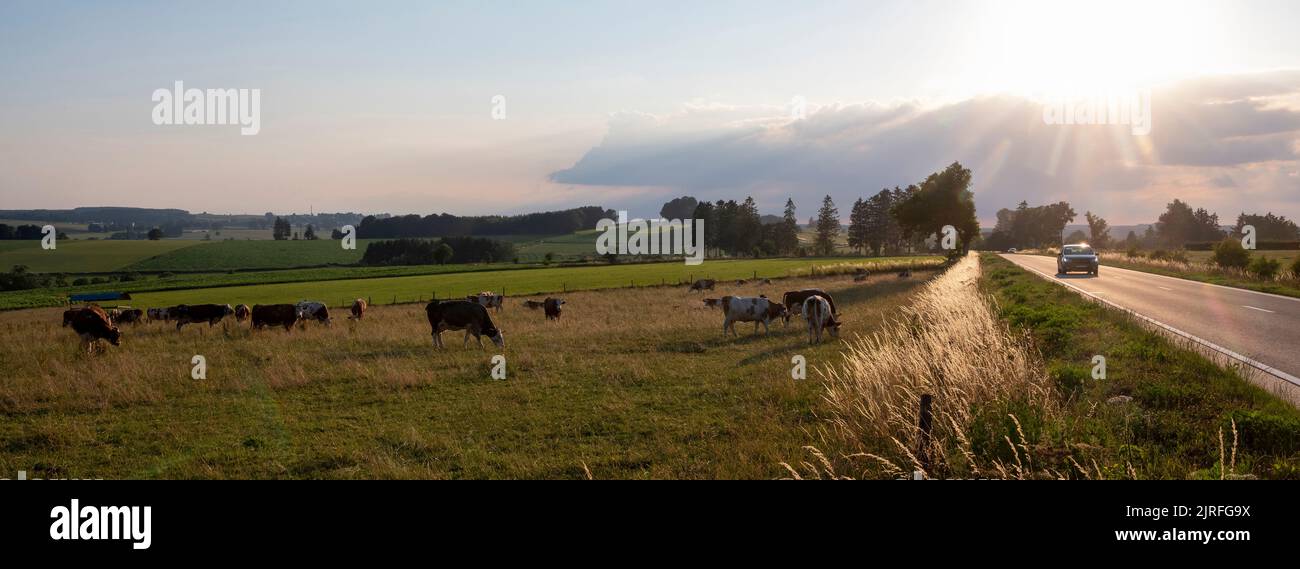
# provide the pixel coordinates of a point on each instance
(950, 344)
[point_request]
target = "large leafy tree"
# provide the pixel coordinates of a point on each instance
(1180, 224)
(944, 198)
(1098, 231)
(1268, 227)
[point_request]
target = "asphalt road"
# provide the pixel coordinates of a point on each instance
(1262, 328)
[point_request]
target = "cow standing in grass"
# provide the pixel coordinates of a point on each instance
(757, 310)
(358, 309)
(199, 313)
(817, 312)
(243, 312)
(487, 299)
(462, 315)
(274, 315)
(313, 310)
(552, 306)
(92, 325)
(703, 284)
(793, 301)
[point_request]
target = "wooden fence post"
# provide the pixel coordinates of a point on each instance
(924, 423)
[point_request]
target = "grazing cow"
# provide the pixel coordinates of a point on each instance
(487, 300)
(817, 311)
(198, 313)
(157, 314)
(741, 281)
(127, 316)
(243, 312)
(275, 315)
(92, 324)
(359, 307)
(703, 284)
(69, 314)
(533, 304)
(462, 315)
(859, 277)
(793, 301)
(552, 306)
(766, 281)
(907, 273)
(313, 310)
(757, 310)
(712, 302)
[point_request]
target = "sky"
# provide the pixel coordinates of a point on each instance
(396, 106)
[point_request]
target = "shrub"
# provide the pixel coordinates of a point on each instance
(1229, 254)
(1179, 257)
(1159, 255)
(1133, 253)
(1295, 268)
(1265, 268)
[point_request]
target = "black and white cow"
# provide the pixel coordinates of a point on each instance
(817, 311)
(462, 315)
(743, 309)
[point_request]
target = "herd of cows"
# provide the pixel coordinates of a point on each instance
(92, 323)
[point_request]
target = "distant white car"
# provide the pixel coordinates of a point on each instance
(1012, 250)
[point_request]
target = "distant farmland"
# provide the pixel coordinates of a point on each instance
(253, 254)
(517, 282)
(84, 256)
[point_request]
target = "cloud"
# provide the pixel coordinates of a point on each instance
(1213, 135)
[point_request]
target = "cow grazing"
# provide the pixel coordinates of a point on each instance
(766, 281)
(487, 299)
(860, 277)
(243, 312)
(553, 309)
(359, 307)
(199, 313)
(313, 310)
(157, 314)
(741, 281)
(793, 301)
(462, 315)
(703, 285)
(274, 315)
(69, 314)
(127, 316)
(533, 304)
(817, 312)
(742, 309)
(907, 273)
(92, 325)
(712, 302)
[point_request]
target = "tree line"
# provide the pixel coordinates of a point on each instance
(411, 251)
(447, 225)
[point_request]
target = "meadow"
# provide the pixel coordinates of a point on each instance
(630, 383)
(84, 255)
(252, 254)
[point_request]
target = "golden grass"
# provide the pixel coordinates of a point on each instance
(950, 344)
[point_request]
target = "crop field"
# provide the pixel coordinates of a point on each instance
(630, 383)
(85, 256)
(517, 282)
(1286, 257)
(252, 254)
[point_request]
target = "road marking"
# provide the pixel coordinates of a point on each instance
(1164, 288)
(1259, 309)
(1175, 331)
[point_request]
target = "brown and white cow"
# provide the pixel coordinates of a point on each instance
(817, 311)
(703, 284)
(92, 325)
(487, 299)
(793, 301)
(462, 315)
(243, 312)
(274, 315)
(313, 310)
(534, 304)
(199, 313)
(712, 302)
(358, 309)
(157, 314)
(552, 306)
(743, 309)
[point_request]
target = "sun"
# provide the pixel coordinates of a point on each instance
(1077, 48)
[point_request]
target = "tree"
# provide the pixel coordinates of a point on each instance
(828, 226)
(281, 229)
(1268, 227)
(787, 233)
(310, 233)
(1180, 225)
(705, 213)
(944, 198)
(748, 227)
(1229, 254)
(336, 234)
(679, 208)
(155, 234)
(1098, 228)
(1131, 242)
(1076, 237)
(442, 253)
(858, 226)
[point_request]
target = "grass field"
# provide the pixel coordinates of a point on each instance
(85, 256)
(515, 282)
(630, 383)
(251, 254)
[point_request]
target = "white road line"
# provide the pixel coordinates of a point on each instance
(1259, 309)
(1165, 288)
(1170, 329)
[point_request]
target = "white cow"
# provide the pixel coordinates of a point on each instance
(312, 310)
(158, 314)
(742, 309)
(817, 311)
(487, 299)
